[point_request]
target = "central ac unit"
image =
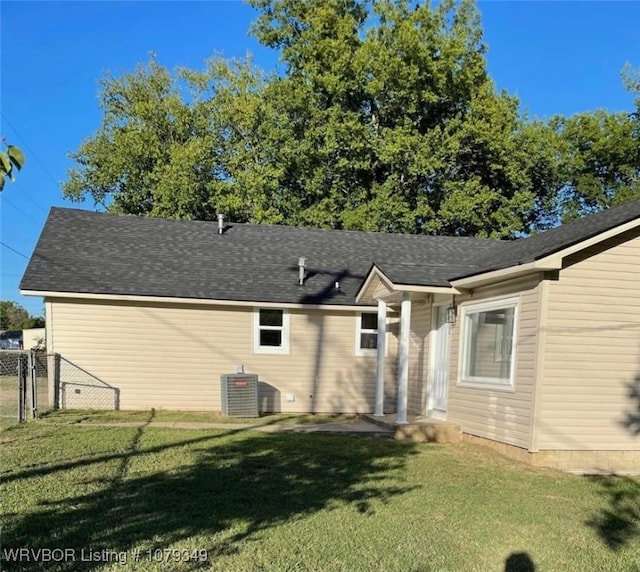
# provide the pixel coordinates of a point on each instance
(239, 395)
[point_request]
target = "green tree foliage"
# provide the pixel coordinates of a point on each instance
(397, 125)
(15, 317)
(384, 118)
(153, 154)
(601, 157)
(11, 160)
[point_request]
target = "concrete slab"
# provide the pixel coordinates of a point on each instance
(355, 427)
(344, 428)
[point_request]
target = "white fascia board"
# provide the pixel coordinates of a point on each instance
(374, 273)
(504, 274)
(428, 289)
(551, 262)
(594, 240)
(197, 301)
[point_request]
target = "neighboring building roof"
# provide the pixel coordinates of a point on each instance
(538, 246)
(96, 253)
(10, 334)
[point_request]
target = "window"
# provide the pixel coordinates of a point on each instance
(271, 331)
(488, 343)
(366, 333)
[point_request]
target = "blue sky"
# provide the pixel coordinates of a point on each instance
(557, 57)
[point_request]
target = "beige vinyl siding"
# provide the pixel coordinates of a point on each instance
(172, 355)
(592, 350)
(419, 356)
(500, 414)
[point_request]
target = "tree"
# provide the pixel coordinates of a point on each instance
(396, 124)
(151, 155)
(15, 317)
(601, 157)
(11, 160)
(602, 161)
(385, 119)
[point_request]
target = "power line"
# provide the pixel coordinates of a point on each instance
(5, 199)
(14, 250)
(35, 156)
(28, 147)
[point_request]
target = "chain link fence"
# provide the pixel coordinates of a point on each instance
(32, 382)
(42, 362)
(24, 385)
(80, 389)
(9, 387)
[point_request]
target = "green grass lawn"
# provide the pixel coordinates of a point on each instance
(8, 398)
(302, 502)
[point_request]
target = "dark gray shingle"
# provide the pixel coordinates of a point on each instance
(97, 253)
(533, 248)
(87, 252)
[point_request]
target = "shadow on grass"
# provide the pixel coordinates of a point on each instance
(229, 488)
(619, 523)
(519, 562)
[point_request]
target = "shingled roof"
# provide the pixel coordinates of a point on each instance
(96, 253)
(538, 246)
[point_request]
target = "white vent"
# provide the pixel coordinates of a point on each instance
(302, 261)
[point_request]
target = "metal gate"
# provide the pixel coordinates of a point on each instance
(23, 385)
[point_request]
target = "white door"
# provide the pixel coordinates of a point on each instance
(440, 355)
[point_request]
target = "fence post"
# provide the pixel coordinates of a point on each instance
(33, 384)
(53, 380)
(23, 368)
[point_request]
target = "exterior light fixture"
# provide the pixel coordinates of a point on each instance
(451, 313)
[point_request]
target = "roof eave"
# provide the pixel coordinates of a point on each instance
(552, 261)
(487, 278)
(194, 301)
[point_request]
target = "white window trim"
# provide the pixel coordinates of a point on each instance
(476, 382)
(368, 351)
(284, 348)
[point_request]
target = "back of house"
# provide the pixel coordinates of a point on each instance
(532, 346)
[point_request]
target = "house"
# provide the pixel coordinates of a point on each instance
(33, 338)
(531, 345)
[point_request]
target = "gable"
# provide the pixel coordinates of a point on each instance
(619, 253)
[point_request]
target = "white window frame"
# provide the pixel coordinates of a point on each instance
(487, 382)
(360, 351)
(285, 329)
